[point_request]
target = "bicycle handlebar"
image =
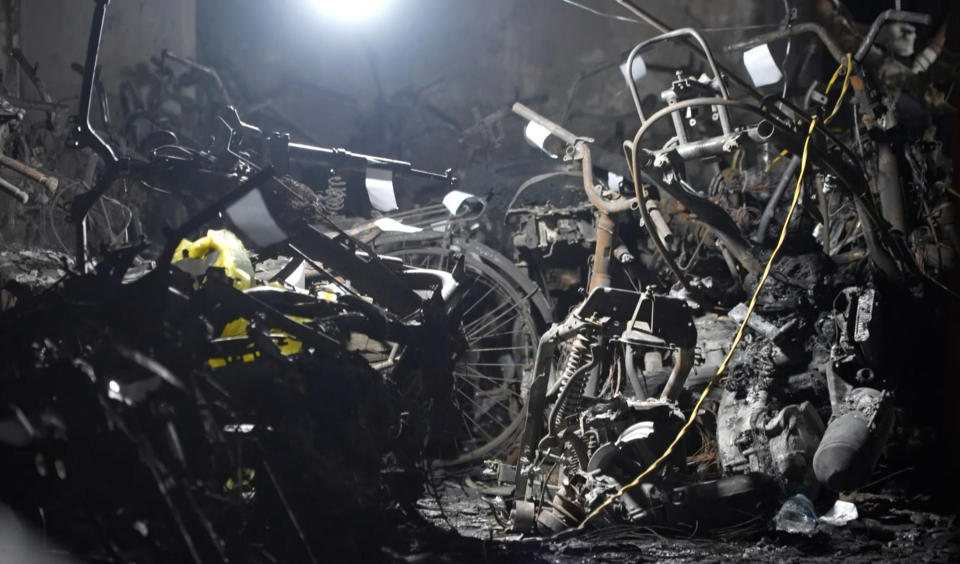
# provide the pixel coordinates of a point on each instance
(553, 127)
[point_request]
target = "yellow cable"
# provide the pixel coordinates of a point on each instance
(782, 154)
(843, 90)
(753, 302)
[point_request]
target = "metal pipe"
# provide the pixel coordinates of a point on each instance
(554, 128)
(719, 221)
(609, 207)
(204, 69)
(537, 399)
(771, 207)
(884, 18)
(835, 51)
(848, 257)
(662, 229)
(759, 133)
(678, 127)
(13, 191)
(888, 188)
(878, 254)
(31, 71)
(849, 176)
(852, 179)
(823, 198)
(630, 367)
(640, 192)
(711, 62)
(50, 182)
(84, 134)
(728, 258)
(606, 225)
(636, 10)
(600, 275)
(678, 376)
(313, 153)
(806, 27)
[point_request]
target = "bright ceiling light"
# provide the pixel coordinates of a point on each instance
(353, 10)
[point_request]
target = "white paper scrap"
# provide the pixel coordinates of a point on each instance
(536, 133)
(253, 219)
(840, 514)
(613, 181)
(761, 66)
(380, 189)
(454, 199)
(639, 69)
(390, 224)
(299, 277)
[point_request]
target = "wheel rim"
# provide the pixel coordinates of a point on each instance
(490, 375)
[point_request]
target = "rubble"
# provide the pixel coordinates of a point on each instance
(803, 407)
(674, 359)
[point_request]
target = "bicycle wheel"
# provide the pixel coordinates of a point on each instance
(492, 374)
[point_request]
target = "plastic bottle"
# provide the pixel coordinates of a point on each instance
(797, 515)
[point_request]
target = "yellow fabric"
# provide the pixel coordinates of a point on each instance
(238, 328)
(232, 256)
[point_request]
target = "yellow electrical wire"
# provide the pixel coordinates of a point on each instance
(782, 154)
(753, 300)
(843, 91)
(836, 108)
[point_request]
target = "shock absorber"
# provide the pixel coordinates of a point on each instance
(573, 380)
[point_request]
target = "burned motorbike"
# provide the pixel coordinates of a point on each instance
(806, 404)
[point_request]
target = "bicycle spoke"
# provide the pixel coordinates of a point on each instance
(473, 335)
(483, 320)
(502, 385)
(473, 374)
(494, 323)
(476, 329)
(476, 303)
(478, 426)
(492, 336)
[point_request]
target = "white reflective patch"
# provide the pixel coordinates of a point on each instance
(299, 277)
(454, 199)
(380, 189)
(840, 514)
(761, 66)
(253, 219)
(639, 69)
(447, 283)
(536, 134)
(390, 224)
(613, 181)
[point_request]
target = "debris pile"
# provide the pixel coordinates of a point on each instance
(213, 366)
(793, 384)
(260, 387)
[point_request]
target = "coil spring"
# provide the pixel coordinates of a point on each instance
(573, 381)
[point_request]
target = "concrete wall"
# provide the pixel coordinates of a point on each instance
(462, 57)
(54, 34)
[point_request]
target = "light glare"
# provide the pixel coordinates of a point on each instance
(351, 9)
